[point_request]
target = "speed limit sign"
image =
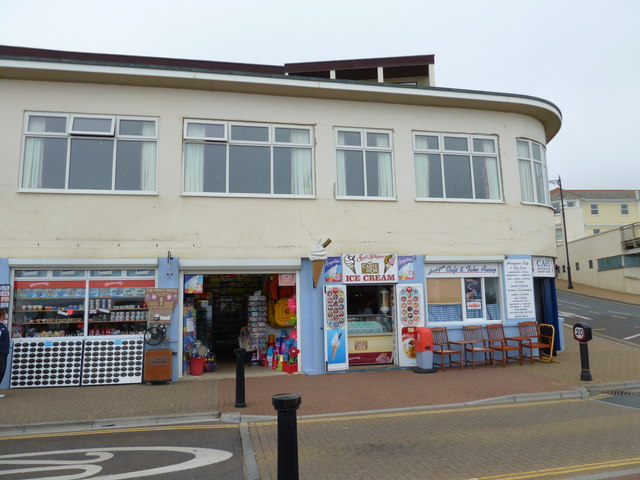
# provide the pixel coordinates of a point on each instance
(582, 332)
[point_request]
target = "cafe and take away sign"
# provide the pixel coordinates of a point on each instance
(369, 268)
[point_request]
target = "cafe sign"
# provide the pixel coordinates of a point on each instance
(370, 268)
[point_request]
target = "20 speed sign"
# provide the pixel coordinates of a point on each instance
(582, 332)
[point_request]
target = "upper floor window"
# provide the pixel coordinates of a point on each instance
(456, 167)
(594, 209)
(533, 172)
(246, 159)
(71, 152)
(596, 230)
(624, 209)
(364, 163)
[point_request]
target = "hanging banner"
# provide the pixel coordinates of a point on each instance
(410, 313)
(335, 328)
(369, 268)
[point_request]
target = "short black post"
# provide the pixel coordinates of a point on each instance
(584, 362)
(286, 404)
(240, 356)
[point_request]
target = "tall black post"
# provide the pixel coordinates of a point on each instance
(240, 356)
(286, 404)
(585, 374)
(564, 230)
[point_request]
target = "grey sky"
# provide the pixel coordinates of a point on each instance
(582, 55)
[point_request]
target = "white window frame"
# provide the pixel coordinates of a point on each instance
(70, 134)
(594, 209)
(364, 148)
(532, 172)
(470, 153)
(624, 209)
(226, 140)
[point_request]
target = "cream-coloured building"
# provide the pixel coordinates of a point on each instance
(123, 174)
(589, 212)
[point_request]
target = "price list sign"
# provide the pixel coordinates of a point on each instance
(5, 291)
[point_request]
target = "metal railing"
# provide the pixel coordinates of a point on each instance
(630, 235)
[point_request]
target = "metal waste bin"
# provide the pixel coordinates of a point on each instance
(424, 350)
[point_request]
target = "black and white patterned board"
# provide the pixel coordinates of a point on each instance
(46, 363)
(112, 361)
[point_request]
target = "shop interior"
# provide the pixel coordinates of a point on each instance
(224, 312)
(370, 324)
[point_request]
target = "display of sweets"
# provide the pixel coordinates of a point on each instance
(257, 324)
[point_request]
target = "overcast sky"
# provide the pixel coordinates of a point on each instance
(582, 55)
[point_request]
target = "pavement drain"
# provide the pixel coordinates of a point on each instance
(621, 398)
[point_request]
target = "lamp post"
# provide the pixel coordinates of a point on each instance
(564, 231)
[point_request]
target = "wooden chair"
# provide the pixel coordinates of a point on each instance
(532, 340)
(474, 342)
(442, 347)
(498, 342)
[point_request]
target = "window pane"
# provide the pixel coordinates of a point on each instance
(138, 128)
(135, 165)
(47, 124)
(293, 135)
(484, 145)
(249, 169)
(535, 149)
(349, 138)
(457, 176)
(91, 164)
(205, 130)
(353, 173)
(292, 171)
(378, 140)
(83, 124)
(215, 169)
(492, 298)
(526, 182)
(45, 163)
(247, 133)
(456, 143)
(379, 174)
(427, 142)
(541, 185)
(485, 177)
(523, 149)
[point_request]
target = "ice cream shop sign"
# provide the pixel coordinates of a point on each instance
(370, 268)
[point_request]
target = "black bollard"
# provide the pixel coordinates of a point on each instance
(286, 404)
(240, 356)
(584, 361)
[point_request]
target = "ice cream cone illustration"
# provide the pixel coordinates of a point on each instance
(335, 344)
(350, 261)
(389, 261)
(317, 256)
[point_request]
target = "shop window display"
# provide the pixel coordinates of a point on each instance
(462, 299)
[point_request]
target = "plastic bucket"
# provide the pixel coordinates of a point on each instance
(196, 366)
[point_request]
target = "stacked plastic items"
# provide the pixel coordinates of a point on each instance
(257, 326)
(282, 352)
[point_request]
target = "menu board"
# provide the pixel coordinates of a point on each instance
(161, 302)
(519, 288)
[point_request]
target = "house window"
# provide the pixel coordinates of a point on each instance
(240, 159)
(577, 266)
(364, 164)
(624, 209)
(609, 263)
(564, 269)
(456, 167)
(69, 152)
(590, 264)
(458, 298)
(632, 260)
(594, 209)
(559, 236)
(596, 230)
(533, 172)
(571, 203)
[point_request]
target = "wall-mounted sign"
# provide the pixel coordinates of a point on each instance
(369, 268)
(193, 283)
(518, 279)
(5, 291)
(333, 270)
(436, 270)
(543, 267)
(406, 270)
(287, 279)
(161, 302)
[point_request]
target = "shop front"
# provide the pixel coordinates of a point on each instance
(249, 304)
(371, 309)
(78, 326)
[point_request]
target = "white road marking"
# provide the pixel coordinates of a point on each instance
(573, 315)
(625, 314)
(632, 336)
(201, 458)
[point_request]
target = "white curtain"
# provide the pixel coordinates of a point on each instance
(385, 175)
(194, 161)
(526, 182)
(341, 174)
(422, 175)
(301, 166)
(33, 155)
(491, 165)
(149, 162)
